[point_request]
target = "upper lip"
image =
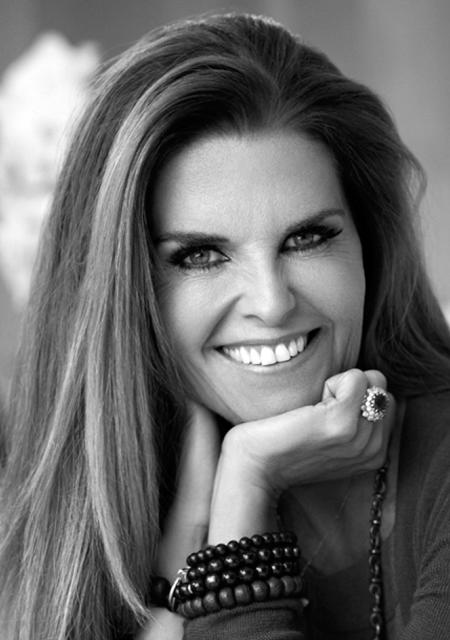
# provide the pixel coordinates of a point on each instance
(272, 342)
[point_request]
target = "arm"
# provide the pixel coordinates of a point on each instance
(257, 462)
(186, 527)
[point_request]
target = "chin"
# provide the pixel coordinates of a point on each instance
(265, 407)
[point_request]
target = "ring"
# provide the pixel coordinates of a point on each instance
(375, 404)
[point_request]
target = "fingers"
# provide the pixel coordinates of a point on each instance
(373, 436)
(379, 430)
(366, 440)
(377, 379)
(346, 391)
(352, 384)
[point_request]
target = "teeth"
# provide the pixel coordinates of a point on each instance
(293, 348)
(282, 354)
(266, 355)
(236, 354)
(301, 343)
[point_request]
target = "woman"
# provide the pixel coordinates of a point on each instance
(229, 274)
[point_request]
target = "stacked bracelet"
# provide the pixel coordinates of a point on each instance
(256, 569)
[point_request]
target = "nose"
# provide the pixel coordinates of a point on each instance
(267, 295)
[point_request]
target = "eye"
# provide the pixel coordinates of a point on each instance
(303, 240)
(201, 257)
(198, 258)
(310, 239)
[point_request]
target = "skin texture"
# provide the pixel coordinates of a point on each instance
(267, 279)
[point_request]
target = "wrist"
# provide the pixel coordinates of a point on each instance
(254, 569)
(243, 501)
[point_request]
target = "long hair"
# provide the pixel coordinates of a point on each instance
(97, 406)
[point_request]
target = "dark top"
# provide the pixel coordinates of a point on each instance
(416, 559)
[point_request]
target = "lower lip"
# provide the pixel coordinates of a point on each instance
(275, 368)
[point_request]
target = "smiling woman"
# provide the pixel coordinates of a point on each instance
(258, 251)
(231, 346)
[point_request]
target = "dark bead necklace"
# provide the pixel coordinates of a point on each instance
(376, 577)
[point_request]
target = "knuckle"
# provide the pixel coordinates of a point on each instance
(354, 377)
(375, 378)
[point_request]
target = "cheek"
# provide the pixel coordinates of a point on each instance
(349, 294)
(186, 315)
(346, 293)
(337, 290)
(188, 319)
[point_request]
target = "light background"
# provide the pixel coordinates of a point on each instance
(401, 48)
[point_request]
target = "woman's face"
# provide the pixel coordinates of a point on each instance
(261, 282)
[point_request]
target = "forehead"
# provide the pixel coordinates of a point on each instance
(220, 182)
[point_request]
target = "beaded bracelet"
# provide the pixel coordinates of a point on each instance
(257, 569)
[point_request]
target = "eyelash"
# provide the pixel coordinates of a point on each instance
(325, 233)
(179, 257)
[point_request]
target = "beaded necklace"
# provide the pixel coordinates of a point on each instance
(197, 589)
(326, 536)
(376, 578)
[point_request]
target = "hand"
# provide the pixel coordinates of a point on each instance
(327, 441)
(186, 527)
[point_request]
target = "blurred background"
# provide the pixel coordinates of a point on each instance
(50, 48)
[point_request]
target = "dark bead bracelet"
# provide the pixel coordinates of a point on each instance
(242, 595)
(253, 569)
(159, 592)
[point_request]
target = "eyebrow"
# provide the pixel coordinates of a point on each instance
(315, 219)
(188, 237)
(197, 237)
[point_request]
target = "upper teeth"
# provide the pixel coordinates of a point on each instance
(266, 355)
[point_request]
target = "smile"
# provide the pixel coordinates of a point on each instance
(266, 355)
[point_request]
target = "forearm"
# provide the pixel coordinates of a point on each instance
(242, 503)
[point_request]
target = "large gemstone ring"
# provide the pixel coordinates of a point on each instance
(375, 404)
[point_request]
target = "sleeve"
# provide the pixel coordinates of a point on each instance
(430, 609)
(274, 620)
